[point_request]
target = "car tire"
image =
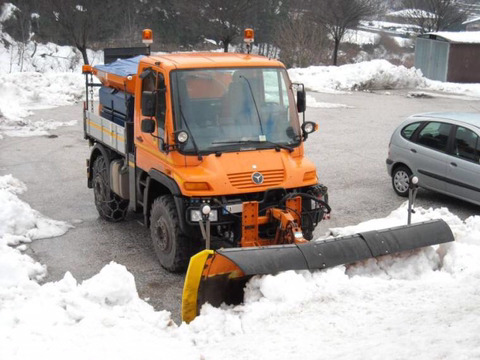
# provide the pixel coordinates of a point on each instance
(401, 180)
(172, 247)
(109, 205)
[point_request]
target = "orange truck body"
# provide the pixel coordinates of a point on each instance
(142, 165)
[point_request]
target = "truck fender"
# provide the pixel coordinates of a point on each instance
(98, 149)
(167, 186)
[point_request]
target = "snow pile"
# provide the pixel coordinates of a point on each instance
(373, 75)
(19, 223)
(418, 304)
(22, 92)
(102, 318)
(360, 37)
(422, 304)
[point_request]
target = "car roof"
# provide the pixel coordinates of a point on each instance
(457, 117)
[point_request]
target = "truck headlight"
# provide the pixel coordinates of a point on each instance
(196, 215)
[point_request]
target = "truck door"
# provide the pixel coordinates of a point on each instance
(153, 81)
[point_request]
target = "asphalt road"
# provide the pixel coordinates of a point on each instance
(349, 150)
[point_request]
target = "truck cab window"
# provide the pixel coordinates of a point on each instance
(151, 83)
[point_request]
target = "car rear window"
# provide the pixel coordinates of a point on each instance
(466, 144)
(408, 130)
(435, 135)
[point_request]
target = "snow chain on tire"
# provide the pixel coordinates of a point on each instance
(110, 206)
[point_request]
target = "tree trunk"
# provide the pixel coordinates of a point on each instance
(225, 45)
(335, 52)
(83, 50)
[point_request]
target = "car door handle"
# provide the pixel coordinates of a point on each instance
(453, 164)
(139, 138)
(413, 151)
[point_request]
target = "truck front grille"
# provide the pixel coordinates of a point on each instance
(244, 180)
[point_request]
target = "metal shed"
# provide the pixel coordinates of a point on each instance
(449, 56)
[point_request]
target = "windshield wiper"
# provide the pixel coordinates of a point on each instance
(254, 103)
(248, 142)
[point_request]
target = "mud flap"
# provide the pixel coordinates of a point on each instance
(219, 277)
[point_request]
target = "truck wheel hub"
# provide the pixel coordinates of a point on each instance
(162, 237)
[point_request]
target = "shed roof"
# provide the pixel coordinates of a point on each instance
(412, 13)
(470, 21)
(463, 37)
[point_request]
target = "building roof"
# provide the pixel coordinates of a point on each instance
(463, 37)
(411, 13)
(470, 21)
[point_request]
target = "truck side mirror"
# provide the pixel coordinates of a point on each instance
(148, 103)
(148, 126)
(301, 100)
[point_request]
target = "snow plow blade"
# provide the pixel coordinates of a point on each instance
(219, 276)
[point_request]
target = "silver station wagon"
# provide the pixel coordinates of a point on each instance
(442, 150)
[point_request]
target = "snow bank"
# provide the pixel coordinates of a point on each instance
(19, 223)
(22, 92)
(373, 75)
(421, 304)
(101, 318)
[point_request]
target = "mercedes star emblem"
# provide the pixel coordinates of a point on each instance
(257, 178)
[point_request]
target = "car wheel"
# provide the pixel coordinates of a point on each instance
(401, 180)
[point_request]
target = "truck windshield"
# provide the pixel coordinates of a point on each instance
(235, 109)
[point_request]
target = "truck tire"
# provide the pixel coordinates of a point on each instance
(110, 206)
(172, 247)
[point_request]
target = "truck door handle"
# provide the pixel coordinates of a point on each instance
(139, 138)
(413, 151)
(453, 164)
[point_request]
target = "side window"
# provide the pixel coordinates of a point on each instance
(408, 130)
(150, 83)
(435, 135)
(466, 144)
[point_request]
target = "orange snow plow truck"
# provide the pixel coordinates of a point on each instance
(209, 149)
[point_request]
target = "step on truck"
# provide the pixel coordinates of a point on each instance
(209, 149)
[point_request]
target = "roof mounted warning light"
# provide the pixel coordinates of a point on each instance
(248, 38)
(147, 36)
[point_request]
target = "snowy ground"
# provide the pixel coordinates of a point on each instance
(423, 304)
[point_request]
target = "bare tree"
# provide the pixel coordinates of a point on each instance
(436, 15)
(302, 42)
(337, 16)
(222, 20)
(82, 21)
(19, 26)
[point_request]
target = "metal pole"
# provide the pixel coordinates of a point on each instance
(412, 194)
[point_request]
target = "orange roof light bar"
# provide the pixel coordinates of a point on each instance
(147, 36)
(248, 36)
